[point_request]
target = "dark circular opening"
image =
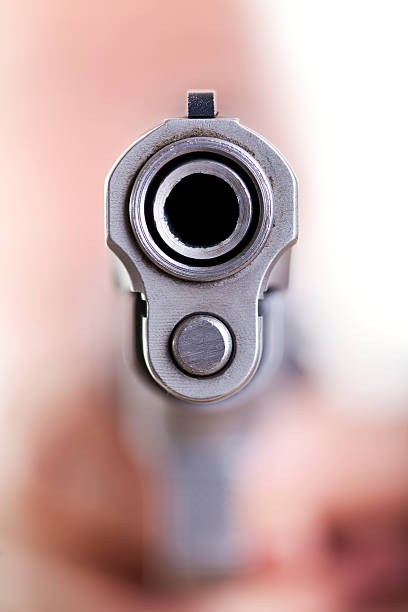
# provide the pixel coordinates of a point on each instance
(246, 178)
(201, 210)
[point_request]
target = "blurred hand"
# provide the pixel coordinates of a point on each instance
(325, 500)
(75, 512)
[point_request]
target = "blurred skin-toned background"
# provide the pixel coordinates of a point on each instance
(323, 489)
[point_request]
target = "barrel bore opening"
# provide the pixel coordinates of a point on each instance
(201, 210)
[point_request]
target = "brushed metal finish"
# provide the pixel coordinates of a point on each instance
(232, 293)
(202, 345)
(213, 168)
(155, 164)
(202, 441)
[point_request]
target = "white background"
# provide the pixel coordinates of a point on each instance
(343, 89)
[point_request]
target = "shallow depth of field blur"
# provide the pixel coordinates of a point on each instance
(324, 491)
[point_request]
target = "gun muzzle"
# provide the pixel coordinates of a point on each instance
(199, 211)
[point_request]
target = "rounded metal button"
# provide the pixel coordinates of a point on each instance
(201, 345)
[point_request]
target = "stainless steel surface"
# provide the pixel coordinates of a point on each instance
(175, 288)
(201, 345)
(210, 168)
(199, 328)
(199, 455)
(203, 145)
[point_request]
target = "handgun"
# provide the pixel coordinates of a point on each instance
(201, 212)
